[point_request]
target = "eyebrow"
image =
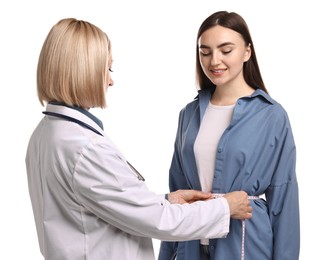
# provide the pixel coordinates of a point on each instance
(202, 46)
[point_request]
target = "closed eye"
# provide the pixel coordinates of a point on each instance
(226, 52)
(205, 54)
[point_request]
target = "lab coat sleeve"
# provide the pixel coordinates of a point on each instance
(282, 197)
(106, 186)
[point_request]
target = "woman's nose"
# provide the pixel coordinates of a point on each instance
(216, 59)
(111, 82)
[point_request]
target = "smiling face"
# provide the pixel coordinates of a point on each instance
(222, 53)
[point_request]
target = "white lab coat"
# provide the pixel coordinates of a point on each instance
(89, 204)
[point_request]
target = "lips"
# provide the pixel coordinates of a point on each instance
(217, 72)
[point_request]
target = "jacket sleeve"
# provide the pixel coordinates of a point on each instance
(282, 197)
(168, 250)
(176, 181)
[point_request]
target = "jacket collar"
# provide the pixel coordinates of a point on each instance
(204, 96)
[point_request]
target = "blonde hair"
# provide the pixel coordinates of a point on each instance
(73, 63)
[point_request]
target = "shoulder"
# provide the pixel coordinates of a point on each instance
(267, 101)
(275, 113)
(202, 96)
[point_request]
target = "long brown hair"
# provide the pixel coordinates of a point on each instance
(235, 22)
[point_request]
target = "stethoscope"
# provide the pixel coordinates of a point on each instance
(72, 119)
(83, 124)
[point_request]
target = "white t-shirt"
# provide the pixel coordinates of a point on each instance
(214, 122)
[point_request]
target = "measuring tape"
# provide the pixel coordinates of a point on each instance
(219, 195)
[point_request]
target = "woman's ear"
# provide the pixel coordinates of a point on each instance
(247, 53)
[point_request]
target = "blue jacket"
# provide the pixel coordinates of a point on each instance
(257, 154)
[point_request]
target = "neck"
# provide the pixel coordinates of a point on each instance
(228, 95)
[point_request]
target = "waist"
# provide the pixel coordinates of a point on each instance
(218, 195)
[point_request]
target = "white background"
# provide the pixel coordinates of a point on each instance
(154, 59)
